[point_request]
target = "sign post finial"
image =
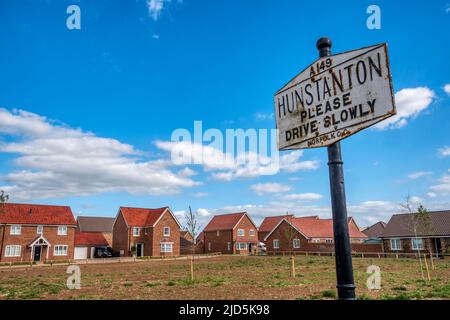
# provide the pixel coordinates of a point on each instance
(324, 46)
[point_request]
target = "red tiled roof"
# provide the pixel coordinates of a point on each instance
(90, 239)
(36, 214)
(141, 217)
(270, 222)
(224, 221)
(323, 228)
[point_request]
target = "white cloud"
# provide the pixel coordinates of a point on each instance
(444, 152)
(419, 174)
(203, 212)
(264, 116)
(155, 8)
(431, 194)
(55, 160)
(303, 196)
(443, 187)
(410, 103)
(262, 188)
(447, 89)
(200, 194)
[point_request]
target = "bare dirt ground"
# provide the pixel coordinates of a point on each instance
(226, 277)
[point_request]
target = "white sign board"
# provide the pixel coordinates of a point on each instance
(335, 97)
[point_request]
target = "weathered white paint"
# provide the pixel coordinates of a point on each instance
(335, 97)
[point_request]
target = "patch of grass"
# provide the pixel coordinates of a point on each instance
(329, 294)
(401, 288)
(127, 284)
(151, 284)
(171, 283)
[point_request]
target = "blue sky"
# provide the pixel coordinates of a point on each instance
(82, 111)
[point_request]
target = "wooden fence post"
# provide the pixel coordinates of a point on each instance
(426, 267)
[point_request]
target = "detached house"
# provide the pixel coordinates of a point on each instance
(233, 233)
(307, 234)
(31, 232)
(146, 232)
(268, 224)
(409, 233)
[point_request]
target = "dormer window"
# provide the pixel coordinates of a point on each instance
(16, 229)
(62, 230)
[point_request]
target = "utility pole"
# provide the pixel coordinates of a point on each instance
(344, 269)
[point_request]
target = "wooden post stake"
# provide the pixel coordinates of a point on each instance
(293, 266)
(192, 268)
(426, 267)
(432, 261)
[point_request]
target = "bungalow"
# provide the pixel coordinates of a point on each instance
(409, 233)
(375, 230)
(30, 232)
(268, 224)
(146, 232)
(307, 234)
(233, 233)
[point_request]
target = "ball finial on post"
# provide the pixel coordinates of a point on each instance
(324, 46)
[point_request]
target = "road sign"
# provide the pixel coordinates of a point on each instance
(335, 97)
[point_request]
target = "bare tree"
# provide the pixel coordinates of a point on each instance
(3, 199)
(192, 228)
(419, 222)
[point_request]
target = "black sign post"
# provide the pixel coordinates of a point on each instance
(344, 268)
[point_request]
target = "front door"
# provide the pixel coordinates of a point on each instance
(37, 253)
(139, 249)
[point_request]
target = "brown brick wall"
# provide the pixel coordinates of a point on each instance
(407, 246)
(121, 236)
(247, 225)
(158, 236)
(28, 234)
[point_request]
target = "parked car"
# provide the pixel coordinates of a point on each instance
(105, 252)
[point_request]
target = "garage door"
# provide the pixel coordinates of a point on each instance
(80, 253)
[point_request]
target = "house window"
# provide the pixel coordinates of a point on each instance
(136, 232)
(296, 243)
(166, 246)
(396, 244)
(13, 251)
(60, 250)
(228, 246)
(276, 244)
(315, 240)
(40, 230)
(62, 231)
(167, 232)
(218, 233)
(209, 246)
(328, 240)
(251, 232)
(241, 245)
(241, 232)
(417, 243)
(16, 229)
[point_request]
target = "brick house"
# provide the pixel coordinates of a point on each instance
(30, 232)
(268, 224)
(233, 233)
(434, 235)
(187, 244)
(146, 232)
(86, 242)
(375, 230)
(308, 234)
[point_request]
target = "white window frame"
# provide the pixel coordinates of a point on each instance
(241, 245)
(40, 230)
(315, 240)
(329, 241)
(218, 233)
(241, 232)
(60, 250)
(209, 246)
(15, 230)
(136, 234)
(251, 232)
(395, 248)
(228, 246)
(296, 243)
(62, 230)
(166, 234)
(13, 250)
(421, 243)
(276, 243)
(164, 247)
